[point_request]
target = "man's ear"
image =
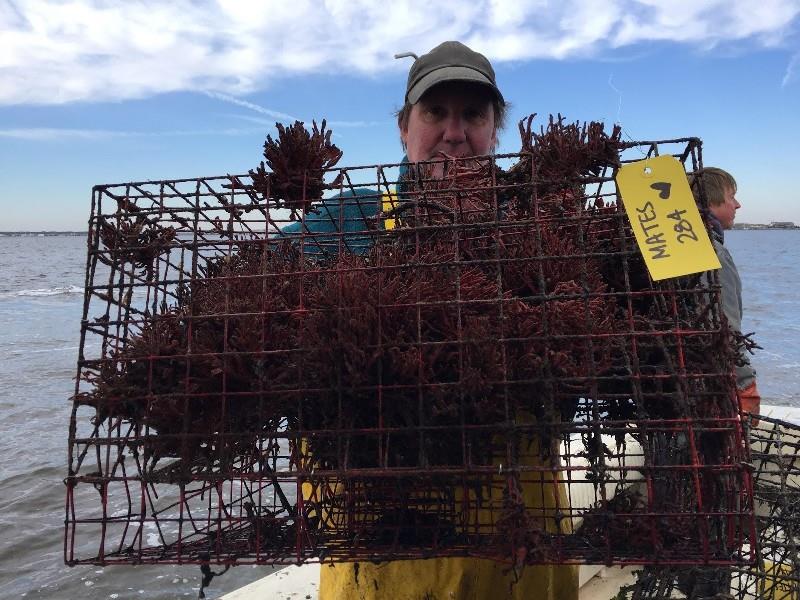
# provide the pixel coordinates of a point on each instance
(403, 136)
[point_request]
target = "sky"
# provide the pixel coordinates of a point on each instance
(95, 92)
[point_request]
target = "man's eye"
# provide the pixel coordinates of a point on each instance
(432, 114)
(474, 114)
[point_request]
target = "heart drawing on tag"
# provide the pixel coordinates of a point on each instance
(663, 188)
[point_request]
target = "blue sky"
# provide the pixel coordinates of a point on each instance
(111, 91)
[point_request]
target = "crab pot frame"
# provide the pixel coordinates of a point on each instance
(473, 369)
(775, 575)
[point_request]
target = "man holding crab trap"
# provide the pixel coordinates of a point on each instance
(447, 382)
(453, 109)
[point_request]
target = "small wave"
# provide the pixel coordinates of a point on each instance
(56, 349)
(55, 291)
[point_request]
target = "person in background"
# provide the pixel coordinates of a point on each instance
(452, 107)
(720, 188)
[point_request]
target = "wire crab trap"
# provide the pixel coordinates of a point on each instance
(461, 357)
(775, 575)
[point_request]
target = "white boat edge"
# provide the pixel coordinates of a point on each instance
(301, 582)
(597, 582)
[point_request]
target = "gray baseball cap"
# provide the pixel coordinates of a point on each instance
(449, 61)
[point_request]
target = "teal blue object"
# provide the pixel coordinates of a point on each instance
(347, 217)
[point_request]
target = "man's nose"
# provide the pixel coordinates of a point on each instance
(455, 131)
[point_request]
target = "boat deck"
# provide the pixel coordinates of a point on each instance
(299, 583)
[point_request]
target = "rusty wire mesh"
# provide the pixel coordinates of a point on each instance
(775, 574)
(495, 375)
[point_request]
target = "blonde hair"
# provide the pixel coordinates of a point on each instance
(716, 182)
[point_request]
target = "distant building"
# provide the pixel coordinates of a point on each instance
(750, 226)
(773, 225)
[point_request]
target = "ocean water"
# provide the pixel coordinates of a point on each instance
(769, 265)
(41, 299)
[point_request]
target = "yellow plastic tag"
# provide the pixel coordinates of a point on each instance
(668, 228)
(388, 202)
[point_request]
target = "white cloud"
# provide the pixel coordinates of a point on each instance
(359, 124)
(707, 22)
(252, 106)
(337, 124)
(52, 134)
(57, 134)
(791, 70)
(57, 51)
(273, 114)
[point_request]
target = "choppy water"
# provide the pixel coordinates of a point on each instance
(41, 297)
(41, 300)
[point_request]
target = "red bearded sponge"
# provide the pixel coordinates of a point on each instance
(298, 160)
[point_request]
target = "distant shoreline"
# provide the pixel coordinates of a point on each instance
(771, 227)
(41, 233)
(737, 227)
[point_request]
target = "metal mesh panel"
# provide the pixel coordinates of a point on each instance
(467, 364)
(775, 574)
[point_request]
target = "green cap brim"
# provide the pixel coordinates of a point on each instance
(449, 74)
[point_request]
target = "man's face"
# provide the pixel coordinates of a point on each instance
(455, 118)
(726, 211)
